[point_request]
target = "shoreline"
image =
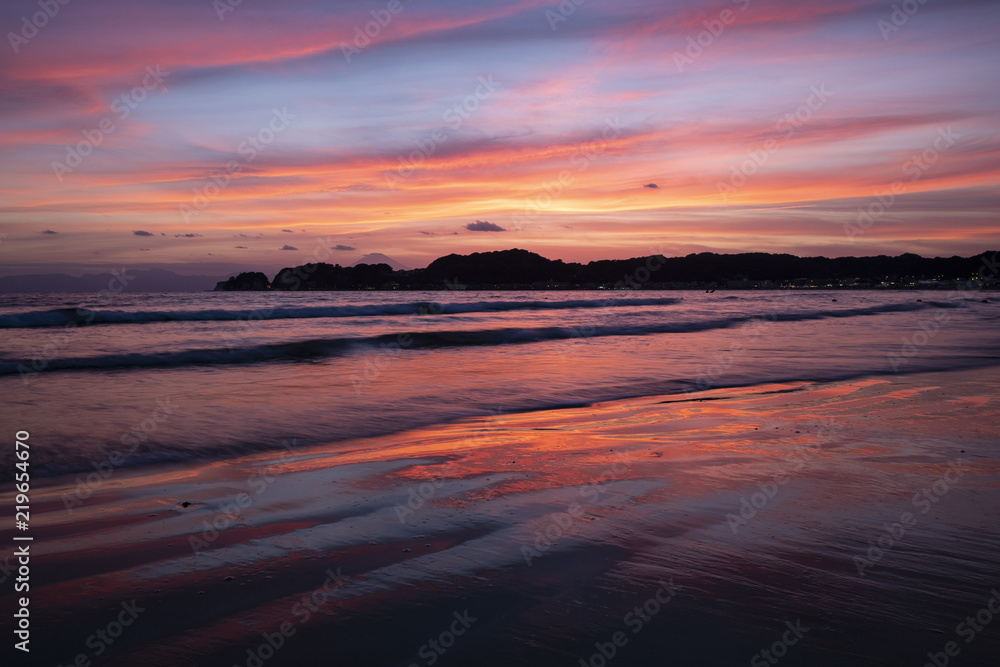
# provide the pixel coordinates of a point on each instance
(529, 516)
(70, 480)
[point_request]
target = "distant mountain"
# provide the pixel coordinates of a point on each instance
(148, 280)
(379, 258)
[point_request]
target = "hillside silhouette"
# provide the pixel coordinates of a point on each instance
(521, 269)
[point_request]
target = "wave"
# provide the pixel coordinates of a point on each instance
(330, 347)
(85, 316)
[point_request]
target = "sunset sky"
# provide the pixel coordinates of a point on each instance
(209, 138)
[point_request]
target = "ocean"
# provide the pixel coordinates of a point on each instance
(505, 478)
(156, 378)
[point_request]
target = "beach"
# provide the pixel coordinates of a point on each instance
(827, 523)
(493, 333)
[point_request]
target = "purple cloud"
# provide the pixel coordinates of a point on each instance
(484, 226)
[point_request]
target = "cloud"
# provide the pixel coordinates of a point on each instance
(428, 233)
(139, 232)
(652, 186)
(186, 236)
(240, 246)
(343, 247)
(288, 231)
(48, 231)
(288, 247)
(484, 226)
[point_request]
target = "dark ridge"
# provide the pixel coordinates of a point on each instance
(521, 269)
(245, 282)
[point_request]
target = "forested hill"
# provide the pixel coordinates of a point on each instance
(521, 269)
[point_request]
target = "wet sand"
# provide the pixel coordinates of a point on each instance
(853, 523)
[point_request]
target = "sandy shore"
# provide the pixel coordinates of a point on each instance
(848, 523)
